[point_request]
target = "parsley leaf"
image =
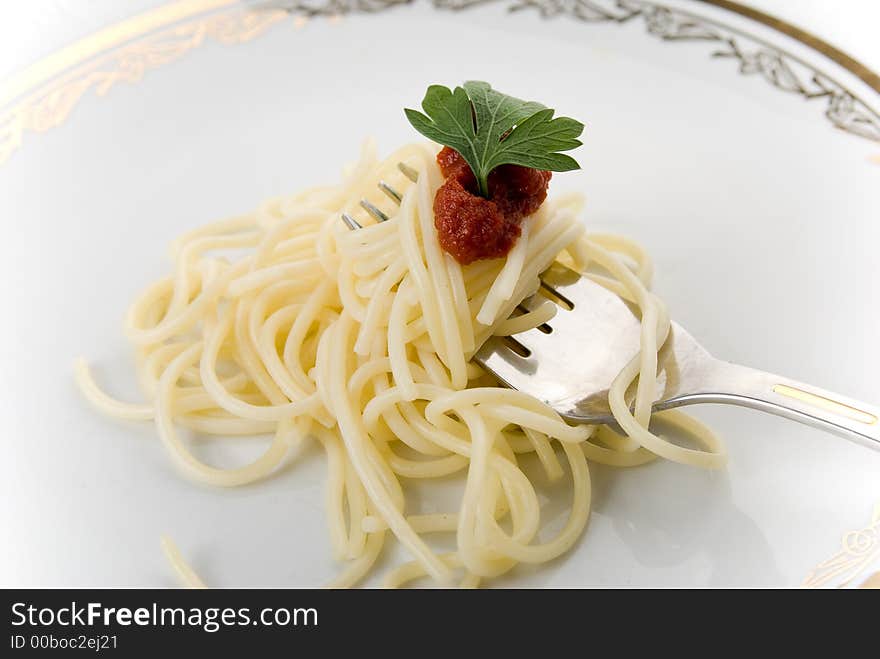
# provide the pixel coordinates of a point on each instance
(489, 129)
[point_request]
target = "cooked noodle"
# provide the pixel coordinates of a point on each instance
(360, 340)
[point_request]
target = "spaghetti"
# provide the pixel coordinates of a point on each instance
(284, 322)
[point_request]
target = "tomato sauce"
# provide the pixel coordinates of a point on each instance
(471, 227)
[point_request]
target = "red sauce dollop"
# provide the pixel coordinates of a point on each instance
(473, 228)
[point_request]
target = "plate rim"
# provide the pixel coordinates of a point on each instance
(42, 95)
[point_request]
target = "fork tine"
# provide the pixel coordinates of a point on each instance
(505, 363)
(372, 210)
(408, 171)
(533, 302)
(565, 285)
(392, 194)
(350, 222)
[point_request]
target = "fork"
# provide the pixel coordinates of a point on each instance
(570, 362)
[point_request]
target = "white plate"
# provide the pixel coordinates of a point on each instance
(760, 213)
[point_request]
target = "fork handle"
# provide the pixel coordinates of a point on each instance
(749, 387)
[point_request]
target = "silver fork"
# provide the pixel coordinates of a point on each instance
(570, 362)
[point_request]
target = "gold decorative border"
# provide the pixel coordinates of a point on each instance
(108, 63)
(101, 42)
(808, 38)
(44, 94)
(858, 550)
(755, 56)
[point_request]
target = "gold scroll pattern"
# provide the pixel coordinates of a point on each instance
(51, 104)
(858, 550)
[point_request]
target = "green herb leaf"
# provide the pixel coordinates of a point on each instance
(489, 129)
